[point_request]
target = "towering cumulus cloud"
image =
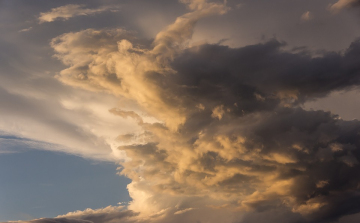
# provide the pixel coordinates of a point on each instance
(230, 138)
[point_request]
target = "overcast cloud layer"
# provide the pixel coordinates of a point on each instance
(207, 132)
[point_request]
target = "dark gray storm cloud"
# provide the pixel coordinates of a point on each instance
(254, 82)
(256, 77)
(257, 91)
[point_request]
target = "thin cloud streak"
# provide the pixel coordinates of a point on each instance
(68, 11)
(25, 30)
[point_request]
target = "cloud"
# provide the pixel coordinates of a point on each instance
(183, 211)
(68, 11)
(229, 137)
(251, 154)
(52, 220)
(124, 78)
(341, 4)
(251, 146)
(306, 16)
(13, 144)
(110, 214)
(105, 215)
(25, 30)
(69, 123)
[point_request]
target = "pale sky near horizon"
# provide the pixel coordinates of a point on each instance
(179, 111)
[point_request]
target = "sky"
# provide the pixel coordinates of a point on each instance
(203, 111)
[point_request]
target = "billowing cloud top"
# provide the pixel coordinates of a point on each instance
(228, 136)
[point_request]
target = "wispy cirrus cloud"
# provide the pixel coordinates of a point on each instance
(68, 11)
